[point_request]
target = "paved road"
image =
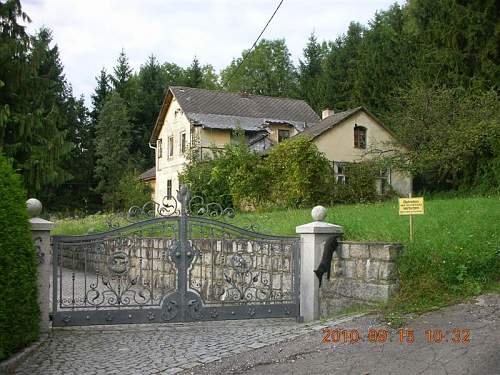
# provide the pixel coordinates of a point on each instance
(479, 353)
(278, 346)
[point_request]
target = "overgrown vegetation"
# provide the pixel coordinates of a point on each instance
(19, 312)
(453, 138)
(359, 184)
(292, 174)
(300, 175)
(132, 192)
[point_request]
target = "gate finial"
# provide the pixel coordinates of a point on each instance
(183, 194)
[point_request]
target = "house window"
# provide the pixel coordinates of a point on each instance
(159, 149)
(385, 181)
(283, 134)
(339, 171)
(359, 137)
(170, 147)
(169, 188)
(183, 142)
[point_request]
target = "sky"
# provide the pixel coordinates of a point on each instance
(91, 33)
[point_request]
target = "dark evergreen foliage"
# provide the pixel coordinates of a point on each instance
(310, 73)
(121, 79)
(19, 312)
(113, 140)
(102, 90)
(194, 75)
(151, 82)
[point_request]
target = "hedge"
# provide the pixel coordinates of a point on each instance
(19, 312)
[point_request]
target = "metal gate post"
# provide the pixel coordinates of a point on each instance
(182, 196)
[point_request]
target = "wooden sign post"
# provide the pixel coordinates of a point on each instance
(411, 206)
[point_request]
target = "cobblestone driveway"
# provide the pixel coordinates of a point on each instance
(155, 348)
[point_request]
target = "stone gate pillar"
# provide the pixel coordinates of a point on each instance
(40, 233)
(313, 237)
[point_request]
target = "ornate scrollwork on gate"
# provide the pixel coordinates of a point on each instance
(127, 279)
(128, 270)
(227, 270)
(170, 206)
(198, 207)
(178, 264)
(169, 310)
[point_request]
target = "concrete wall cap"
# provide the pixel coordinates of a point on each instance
(41, 224)
(319, 227)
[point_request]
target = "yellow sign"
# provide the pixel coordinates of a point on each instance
(411, 206)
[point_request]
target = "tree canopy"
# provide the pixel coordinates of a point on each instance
(428, 68)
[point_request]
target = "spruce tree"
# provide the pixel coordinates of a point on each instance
(194, 74)
(100, 93)
(341, 69)
(121, 78)
(14, 76)
(44, 149)
(310, 70)
(113, 140)
(151, 88)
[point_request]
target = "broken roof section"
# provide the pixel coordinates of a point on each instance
(229, 110)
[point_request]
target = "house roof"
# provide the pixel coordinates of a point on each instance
(326, 124)
(229, 110)
(150, 174)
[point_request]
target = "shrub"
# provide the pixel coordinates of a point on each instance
(301, 175)
(359, 186)
(292, 174)
(132, 192)
(19, 312)
(231, 176)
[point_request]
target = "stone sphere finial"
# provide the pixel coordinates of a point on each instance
(318, 213)
(34, 207)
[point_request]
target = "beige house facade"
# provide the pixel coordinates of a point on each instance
(355, 135)
(207, 118)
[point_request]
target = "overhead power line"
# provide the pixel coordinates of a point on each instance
(254, 43)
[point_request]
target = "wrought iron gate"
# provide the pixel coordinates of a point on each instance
(174, 268)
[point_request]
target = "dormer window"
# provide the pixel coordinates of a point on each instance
(359, 137)
(283, 134)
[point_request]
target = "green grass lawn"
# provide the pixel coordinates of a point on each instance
(455, 254)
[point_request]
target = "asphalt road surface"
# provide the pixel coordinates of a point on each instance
(459, 339)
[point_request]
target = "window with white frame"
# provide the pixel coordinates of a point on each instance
(183, 143)
(339, 171)
(170, 146)
(159, 149)
(384, 181)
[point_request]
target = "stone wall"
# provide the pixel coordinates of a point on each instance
(362, 273)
